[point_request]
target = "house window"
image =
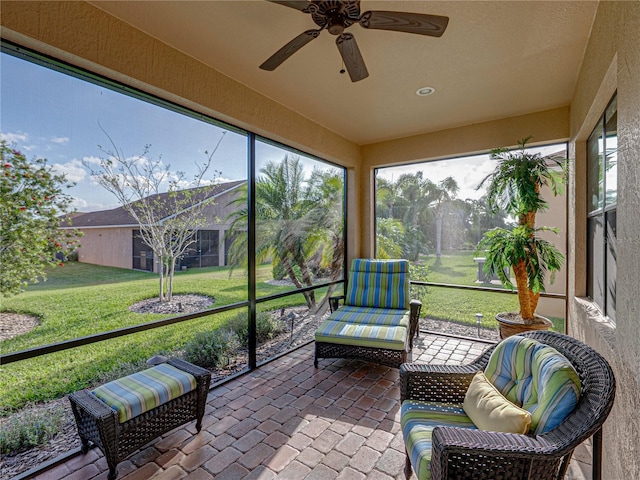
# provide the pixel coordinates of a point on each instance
(203, 252)
(142, 253)
(602, 172)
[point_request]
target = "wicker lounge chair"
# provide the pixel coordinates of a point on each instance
(377, 321)
(468, 453)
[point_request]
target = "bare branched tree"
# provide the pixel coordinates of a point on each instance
(168, 208)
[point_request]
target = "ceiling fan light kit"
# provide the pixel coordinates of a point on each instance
(338, 15)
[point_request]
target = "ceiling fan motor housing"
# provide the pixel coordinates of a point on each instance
(335, 15)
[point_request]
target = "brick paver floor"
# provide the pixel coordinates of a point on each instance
(288, 420)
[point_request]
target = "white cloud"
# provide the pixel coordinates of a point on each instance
(73, 170)
(92, 160)
(82, 205)
(60, 140)
(79, 204)
(18, 140)
(11, 138)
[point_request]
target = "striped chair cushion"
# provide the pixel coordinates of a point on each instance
(140, 392)
(375, 336)
(378, 283)
(536, 377)
(418, 419)
(371, 316)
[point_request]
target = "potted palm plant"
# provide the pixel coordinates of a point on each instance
(515, 186)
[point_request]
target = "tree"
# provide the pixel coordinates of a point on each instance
(33, 206)
(441, 195)
(298, 221)
(389, 238)
(168, 208)
(480, 218)
(411, 188)
(515, 186)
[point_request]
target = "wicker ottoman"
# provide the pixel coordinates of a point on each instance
(119, 426)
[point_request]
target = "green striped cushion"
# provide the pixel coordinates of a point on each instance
(536, 377)
(376, 336)
(418, 419)
(140, 392)
(378, 283)
(371, 316)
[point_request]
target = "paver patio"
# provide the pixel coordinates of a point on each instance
(288, 420)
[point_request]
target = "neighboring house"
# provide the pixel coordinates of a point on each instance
(111, 237)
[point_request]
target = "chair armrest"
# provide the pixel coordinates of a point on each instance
(494, 452)
(435, 383)
(334, 302)
(414, 317)
(415, 306)
(89, 403)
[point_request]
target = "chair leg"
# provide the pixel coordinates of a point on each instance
(597, 455)
(113, 472)
(407, 467)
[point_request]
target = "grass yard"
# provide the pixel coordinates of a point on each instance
(81, 299)
(460, 306)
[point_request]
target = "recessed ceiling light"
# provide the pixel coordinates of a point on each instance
(424, 91)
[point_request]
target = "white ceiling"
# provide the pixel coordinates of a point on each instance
(496, 59)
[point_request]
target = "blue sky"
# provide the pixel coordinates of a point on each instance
(52, 115)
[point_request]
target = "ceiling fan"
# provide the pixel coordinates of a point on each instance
(338, 15)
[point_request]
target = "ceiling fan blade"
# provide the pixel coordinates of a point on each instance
(289, 49)
(432, 25)
(301, 5)
(352, 57)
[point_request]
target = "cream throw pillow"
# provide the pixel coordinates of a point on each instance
(488, 409)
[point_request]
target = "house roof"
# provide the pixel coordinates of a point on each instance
(119, 217)
(496, 59)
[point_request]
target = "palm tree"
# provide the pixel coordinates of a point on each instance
(389, 236)
(386, 197)
(441, 194)
(298, 221)
(515, 186)
(411, 188)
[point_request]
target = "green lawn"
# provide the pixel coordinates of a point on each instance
(81, 299)
(460, 305)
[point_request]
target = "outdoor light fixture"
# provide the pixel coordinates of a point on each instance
(478, 322)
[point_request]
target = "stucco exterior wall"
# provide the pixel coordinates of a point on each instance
(611, 62)
(111, 247)
(85, 36)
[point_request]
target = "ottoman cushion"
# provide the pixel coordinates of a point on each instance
(140, 392)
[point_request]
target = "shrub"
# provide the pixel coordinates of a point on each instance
(279, 272)
(29, 429)
(419, 273)
(211, 349)
(266, 327)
